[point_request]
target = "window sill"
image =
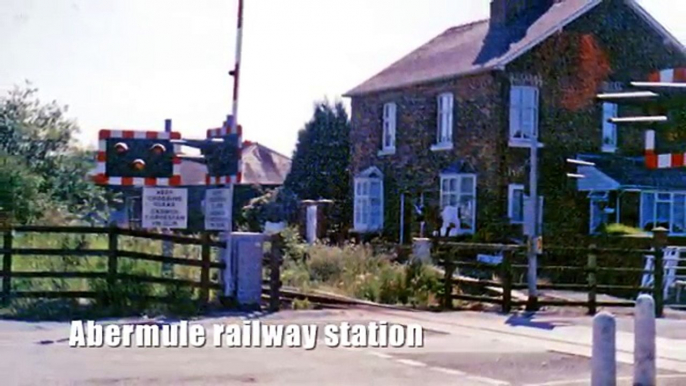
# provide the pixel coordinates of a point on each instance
(522, 143)
(608, 149)
(387, 151)
(442, 147)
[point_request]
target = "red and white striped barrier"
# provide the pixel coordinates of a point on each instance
(669, 160)
(661, 161)
(101, 178)
(670, 75)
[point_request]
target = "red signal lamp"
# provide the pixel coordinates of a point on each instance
(138, 165)
(121, 148)
(158, 149)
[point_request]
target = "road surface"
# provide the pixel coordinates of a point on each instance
(460, 348)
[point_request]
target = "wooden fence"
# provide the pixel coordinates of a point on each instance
(457, 257)
(113, 254)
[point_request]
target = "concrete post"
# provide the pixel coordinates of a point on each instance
(603, 361)
(421, 249)
(248, 255)
(311, 223)
(644, 342)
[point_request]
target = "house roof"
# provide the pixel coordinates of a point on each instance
(631, 172)
(263, 166)
(478, 46)
(260, 166)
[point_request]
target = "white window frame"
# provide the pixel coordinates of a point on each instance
(524, 105)
(511, 189)
(363, 200)
(458, 195)
(609, 129)
(444, 122)
(657, 200)
(388, 131)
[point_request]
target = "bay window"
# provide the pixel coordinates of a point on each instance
(663, 209)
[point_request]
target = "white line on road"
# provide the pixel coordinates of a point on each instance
(413, 363)
(490, 381)
(410, 362)
(379, 355)
(448, 371)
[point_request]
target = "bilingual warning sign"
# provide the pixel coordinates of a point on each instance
(165, 208)
(218, 209)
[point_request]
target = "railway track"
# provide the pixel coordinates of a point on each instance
(326, 300)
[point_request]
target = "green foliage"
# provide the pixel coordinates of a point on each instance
(621, 229)
(321, 161)
(294, 246)
(180, 301)
(44, 173)
(303, 304)
(359, 271)
(276, 205)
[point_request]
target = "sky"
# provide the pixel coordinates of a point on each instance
(131, 64)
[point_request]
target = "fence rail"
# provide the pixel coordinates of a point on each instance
(452, 257)
(113, 253)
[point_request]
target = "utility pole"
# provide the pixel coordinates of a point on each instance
(167, 246)
(234, 129)
(532, 250)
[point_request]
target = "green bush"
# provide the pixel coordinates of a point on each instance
(180, 301)
(361, 272)
(124, 298)
(325, 263)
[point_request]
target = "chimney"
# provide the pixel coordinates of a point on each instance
(498, 12)
(504, 12)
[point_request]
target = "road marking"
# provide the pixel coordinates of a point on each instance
(448, 371)
(380, 355)
(588, 380)
(413, 363)
(490, 381)
(410, 362)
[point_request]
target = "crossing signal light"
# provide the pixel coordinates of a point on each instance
(129, 157)
(138, 165)
(121, 148)
(158, 149)
(222, 157)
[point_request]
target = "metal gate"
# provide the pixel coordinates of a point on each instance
(674, 262)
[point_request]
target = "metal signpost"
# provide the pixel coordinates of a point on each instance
(532, 250)
(167, 246)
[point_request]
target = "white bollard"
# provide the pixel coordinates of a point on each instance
(603, 362)
(644, 342)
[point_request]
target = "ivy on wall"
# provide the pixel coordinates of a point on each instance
(586, 65)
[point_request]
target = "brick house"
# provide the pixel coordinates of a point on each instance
(450, 124)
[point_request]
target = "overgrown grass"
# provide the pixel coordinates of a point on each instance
(356, 271)
(126, 298)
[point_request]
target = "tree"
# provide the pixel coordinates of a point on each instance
(44, 173)
(320, 165)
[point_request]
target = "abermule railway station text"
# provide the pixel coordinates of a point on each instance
(244, 335)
